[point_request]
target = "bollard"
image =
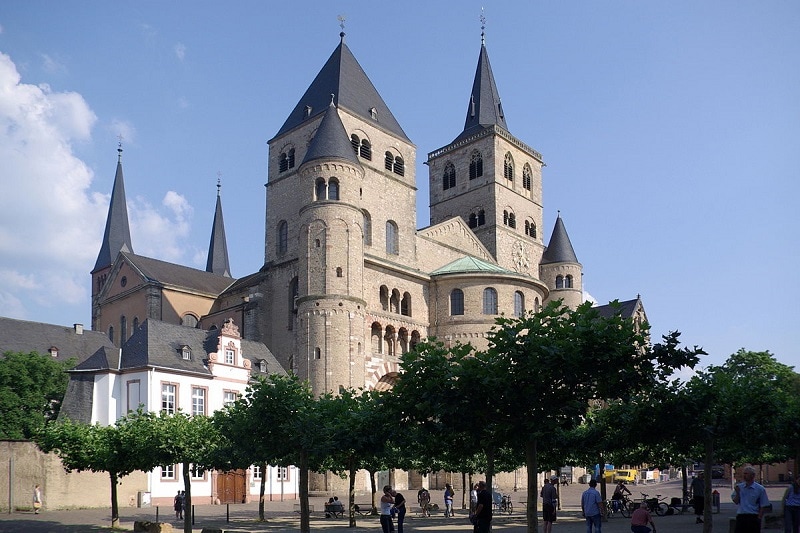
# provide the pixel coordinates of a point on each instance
(227, 513)
(715, 501)
(156, 513)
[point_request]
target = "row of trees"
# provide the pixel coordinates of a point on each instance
(555, 387)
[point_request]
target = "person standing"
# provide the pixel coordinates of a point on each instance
(751, 499)
(400, 506)
(37, 499)
(791, 508)
(177, 504)
(699, 496)
(592, 507)
(549, 494)
(473, 498)
(449, 494)
(639, 520)
(483, 511)
(424, 500)
(387, 502)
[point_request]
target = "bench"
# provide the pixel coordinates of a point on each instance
(337, 511)
(363, 509)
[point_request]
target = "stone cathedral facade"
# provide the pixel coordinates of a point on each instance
(350, 281)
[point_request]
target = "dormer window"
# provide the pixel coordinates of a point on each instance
(262, 367)
(373, 113)
(53, 351)
(186, 353)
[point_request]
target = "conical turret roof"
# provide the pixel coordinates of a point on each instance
(343, 76)
(331, 140)
(484, 109)
(218, 247)
(117, 235)
(559, 249)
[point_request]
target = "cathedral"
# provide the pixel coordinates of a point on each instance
(349, 281)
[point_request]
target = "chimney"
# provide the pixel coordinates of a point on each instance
(78, 329)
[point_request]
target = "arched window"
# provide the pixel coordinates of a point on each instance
(519, 303)
(189, 320)
(457, 302)
(399, 166)
(475, 165)
(489, 301)
(355, 142)
(568, 282)
(405, 304)
(559, 282)
(366, 150)
(388, 162)
(473, 220)
(505, 218)
(481, 217)
(135, 324)
(527, 177)
(283, 166)
(389, 338)
(293, 294)
(339, 272)
(123, 329)
(111, 333)
(283, 237)
(530, 228)
(536, 307)
(449, 177)
(394, 302)
(508, 167)
(320, 189)
(512, 220)
(367, 229)
(291, 157)
(317, 353)
(392, 238)
(333, 189)
(415, 337)
(384, 296)
(375, 336)
(402, 337)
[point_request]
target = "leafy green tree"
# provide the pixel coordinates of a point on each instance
(32, 387)
(118, 450)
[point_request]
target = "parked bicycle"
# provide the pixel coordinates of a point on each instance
(657, 505)
(622, 507)
(502, 504)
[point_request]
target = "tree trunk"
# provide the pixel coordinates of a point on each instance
(351, 491)
(262, 491)
(187, 499)
(305, 526)
(374, 490)
(464, 490)
(114, 502)
(603, 491)
(490, 472)
(685, 491)
(532, 462)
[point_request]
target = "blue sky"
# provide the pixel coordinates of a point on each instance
(671, 133)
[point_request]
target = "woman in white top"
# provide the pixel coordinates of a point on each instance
(387, 502)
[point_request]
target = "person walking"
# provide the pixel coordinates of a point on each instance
(639, 520)
(549, 494)
(177, 504)
(791, 508)
(424, 500)
(592, 507)
(449, 494)
(483, 511)
(387, 502)
(751, 500)
(37, 499)
(699, 496)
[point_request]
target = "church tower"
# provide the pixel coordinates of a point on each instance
(116, 237)
(560, 269)
(218, 246)
(491, 179)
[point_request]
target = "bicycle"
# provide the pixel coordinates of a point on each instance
(503, 504)
(622, 507)
(656, 505)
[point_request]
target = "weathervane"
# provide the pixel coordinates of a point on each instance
(341, 20)
(219, 180)
(119, 146)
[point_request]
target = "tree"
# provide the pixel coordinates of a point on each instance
(558, 361)
(118, 450)
(32, 387)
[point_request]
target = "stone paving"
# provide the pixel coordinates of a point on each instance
(280, 516)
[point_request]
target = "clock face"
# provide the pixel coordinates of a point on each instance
(520, 258)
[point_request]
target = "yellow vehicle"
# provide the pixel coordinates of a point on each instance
(626, 476)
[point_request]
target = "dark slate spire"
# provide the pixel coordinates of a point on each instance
(117, 236)
(218, 247)
(331, 139)
(484, 109)
(343, 76)
(559, 250)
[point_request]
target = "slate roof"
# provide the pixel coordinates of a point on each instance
(331, 140)
(343, 77)
(23, 336)
(179, 276)
(627, 309)
(559, 249)
(484, 109)
(117, 235)
(467, 265)
(218, 247)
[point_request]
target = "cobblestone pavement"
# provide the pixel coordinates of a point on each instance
(281, 517)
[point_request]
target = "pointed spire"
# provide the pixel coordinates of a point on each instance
(218, 247)
(117, 235)
(331, 139)
(559, 249)
(484, 109)
(343, 76)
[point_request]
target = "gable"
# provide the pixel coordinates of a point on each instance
(448, 241)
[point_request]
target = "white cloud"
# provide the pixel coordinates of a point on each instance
(124, 128)
(44, 243)
(158, 234)
(589, 298)
(180, 51)
(52, 65)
